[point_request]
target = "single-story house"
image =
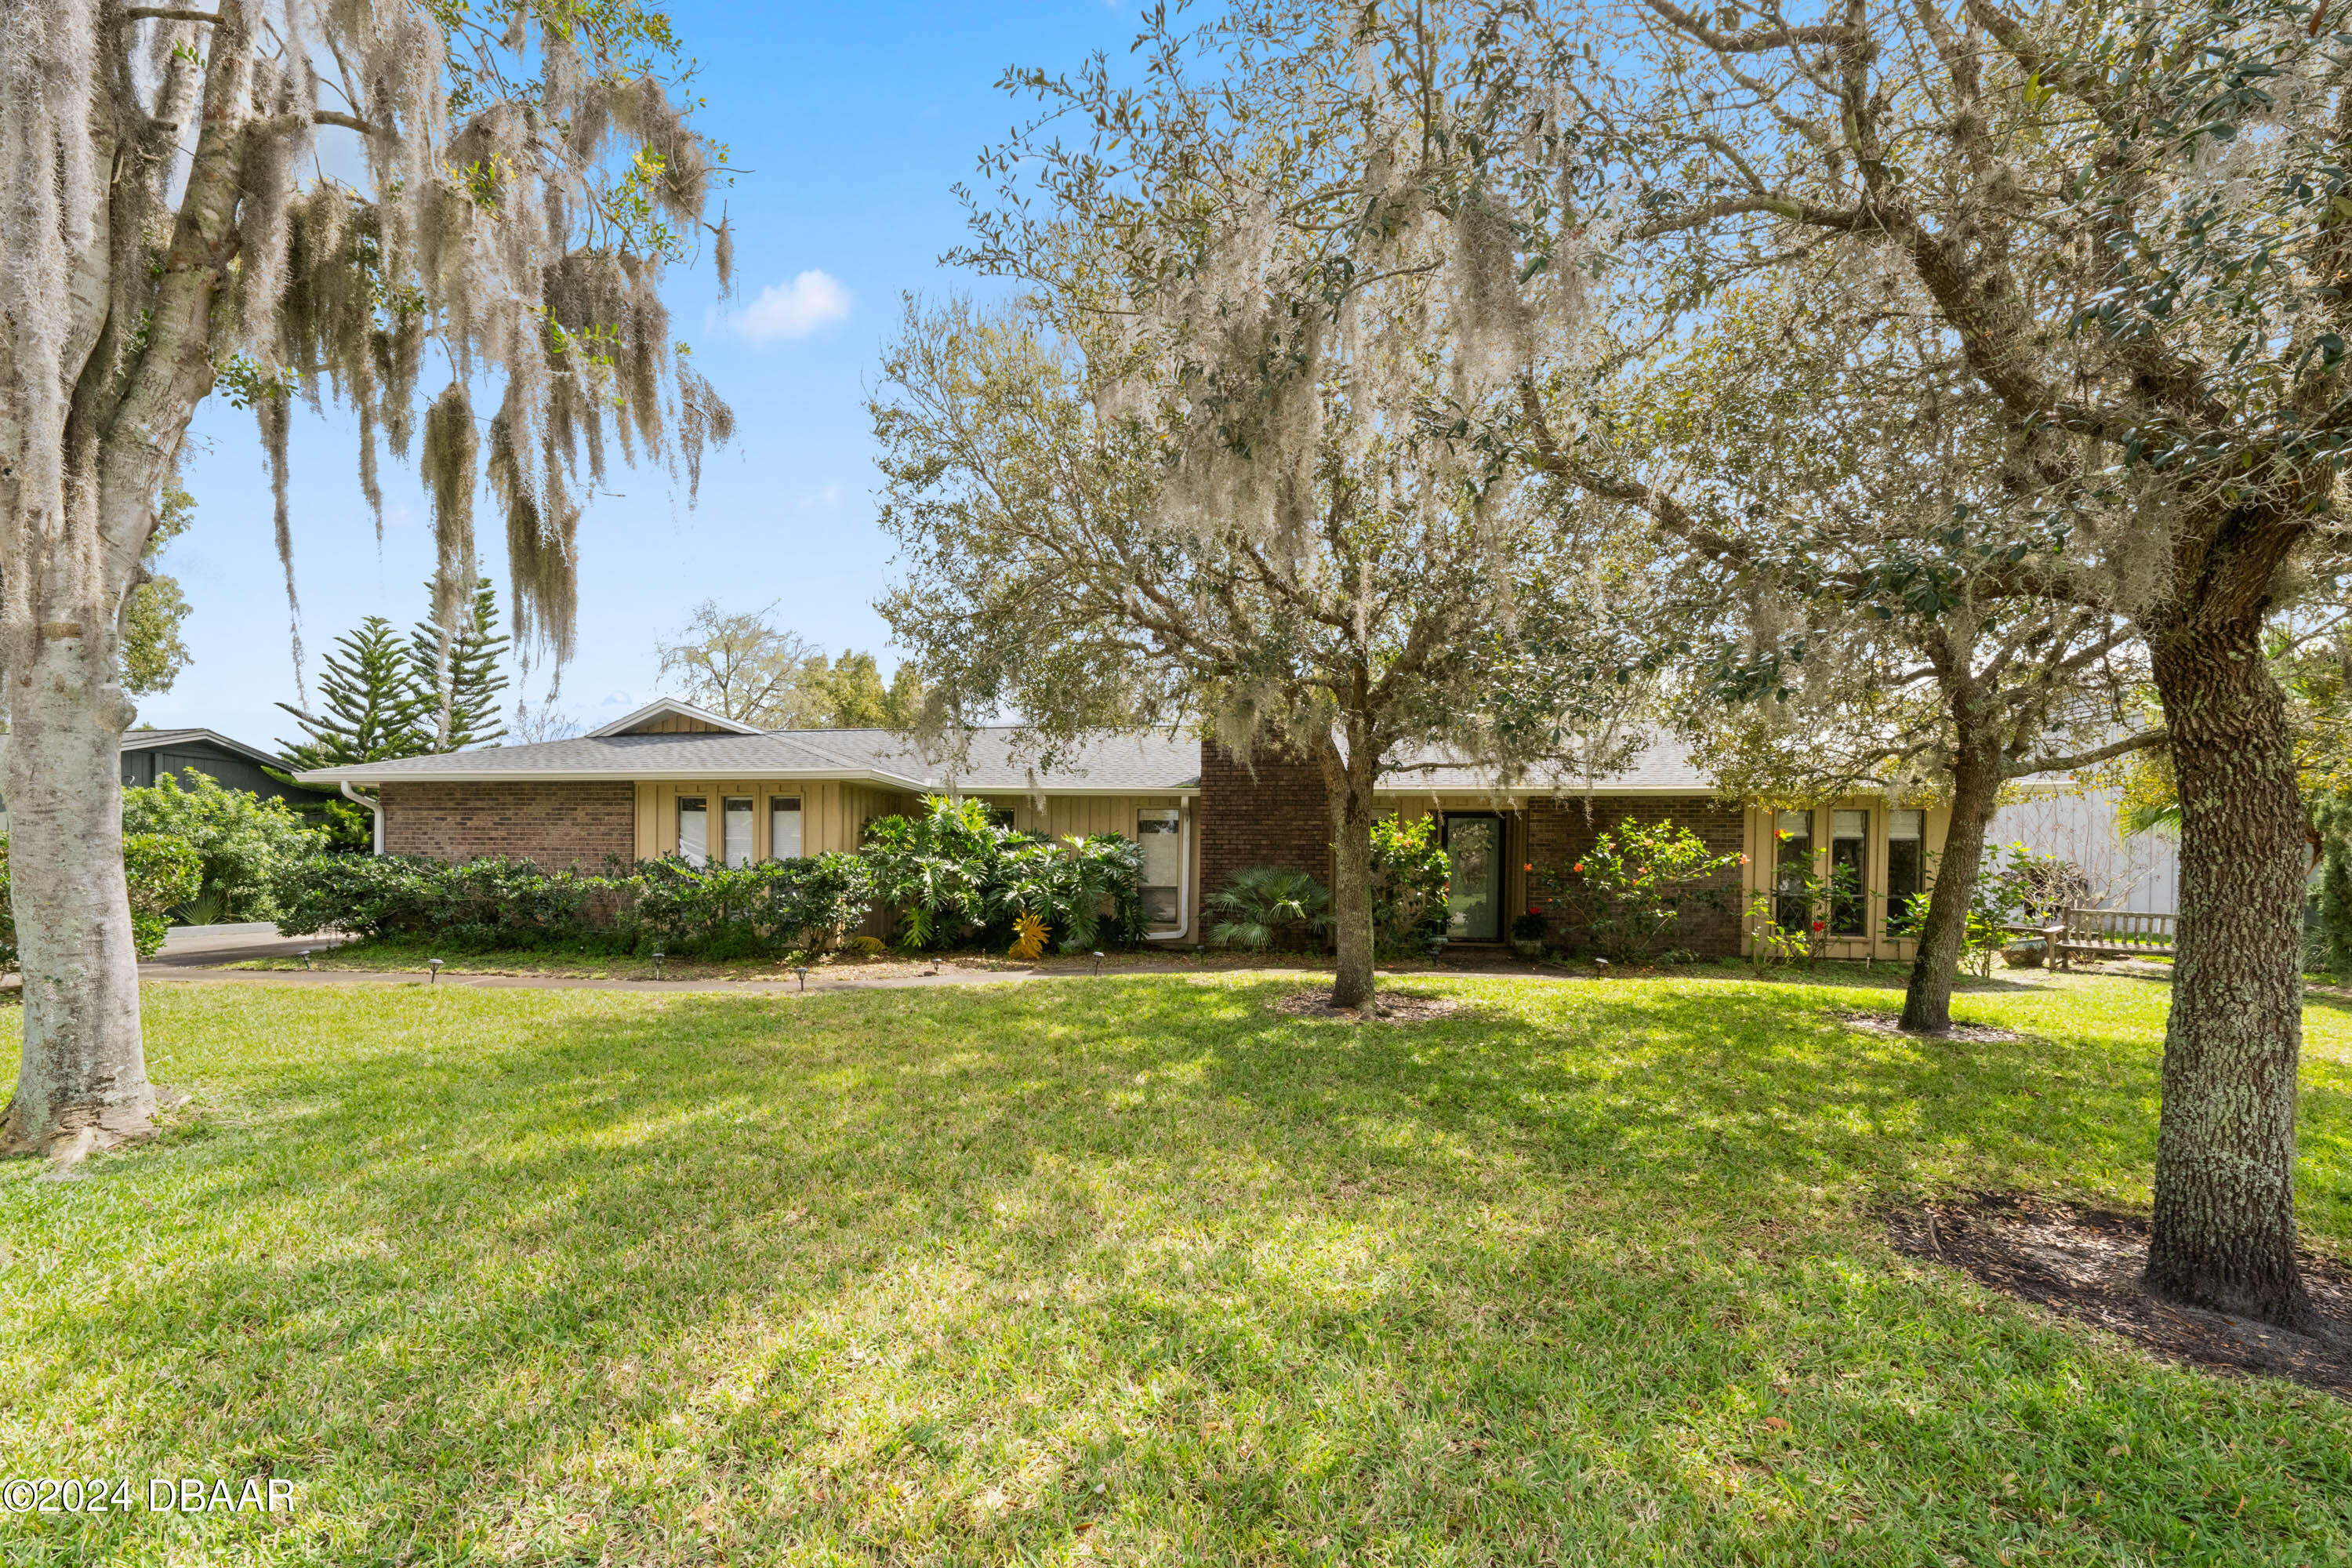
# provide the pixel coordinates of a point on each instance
(673, 779)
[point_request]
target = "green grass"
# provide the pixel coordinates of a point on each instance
(1129, 1270)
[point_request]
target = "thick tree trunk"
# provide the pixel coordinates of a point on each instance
(83, 1080)
(1350, 780)
(1976, 793)
(2223, 1233)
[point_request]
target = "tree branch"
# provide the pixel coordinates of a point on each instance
(2026, 766)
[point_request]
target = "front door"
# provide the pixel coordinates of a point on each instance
(1474, 898)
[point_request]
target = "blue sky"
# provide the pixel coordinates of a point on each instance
(853, 123)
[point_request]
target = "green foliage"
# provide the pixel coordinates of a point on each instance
(1632, 885)
(953, 877)
(369, 707)
(1409, 877)
(468, 905)
(475, 682)
(154, 652)
(161, 871)
(2015, 886)
(1266, 906)
(849, 694)
(246, 841)
(1771, 944)
(763, 910)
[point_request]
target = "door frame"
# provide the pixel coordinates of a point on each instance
(1499, 877)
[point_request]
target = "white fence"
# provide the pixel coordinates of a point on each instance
(2141, 873)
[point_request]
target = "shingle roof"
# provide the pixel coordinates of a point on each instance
(1148, 764)
(1128, 764)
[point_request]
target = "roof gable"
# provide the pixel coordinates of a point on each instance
(669, 716)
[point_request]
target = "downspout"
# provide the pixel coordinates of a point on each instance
(1183, 876)
(374, 810)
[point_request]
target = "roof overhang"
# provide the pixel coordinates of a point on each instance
(668, 708)
(328, 778)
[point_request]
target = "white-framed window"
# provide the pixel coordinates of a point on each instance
(1849, 873)
(1161, 834)
(735, 819)
(784, 827)
(1906, 861)
(694, 829)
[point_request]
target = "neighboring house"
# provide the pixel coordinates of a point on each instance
(672, 779)
(148, 755)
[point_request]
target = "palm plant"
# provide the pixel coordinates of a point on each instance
(1263, 903)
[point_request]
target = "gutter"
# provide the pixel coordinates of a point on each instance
(374, 810)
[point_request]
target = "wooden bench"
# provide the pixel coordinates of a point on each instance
(2110, 934)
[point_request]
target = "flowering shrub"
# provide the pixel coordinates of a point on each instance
(1410, 869)
(1632, 886)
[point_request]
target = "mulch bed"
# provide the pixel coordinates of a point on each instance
(2086, 1263)
(1887, 1024)
(1388, 1007)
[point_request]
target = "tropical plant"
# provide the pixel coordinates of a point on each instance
(951, 877)
(1632, 886)
(1028, 938)
(1410, 868)
(245, 841)
(1267, 905)
(1771, 944)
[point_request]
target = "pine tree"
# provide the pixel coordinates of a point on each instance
(372, 706)
(465, 713)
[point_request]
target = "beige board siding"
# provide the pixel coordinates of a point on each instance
(677, 724)
(832, 814)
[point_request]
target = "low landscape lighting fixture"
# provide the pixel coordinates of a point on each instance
(803, 973)
(658, 956)
(305, 956)
(1098, 967)
(432, 969)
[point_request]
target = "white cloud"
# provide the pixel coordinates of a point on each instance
(794, 309)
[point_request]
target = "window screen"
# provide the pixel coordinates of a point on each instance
(1792, 862)
(694, 829)
(1849, 872)
(1161, 836)
(736, 825)
(784, 827)
(1906, 863)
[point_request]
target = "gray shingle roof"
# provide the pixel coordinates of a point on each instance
(1148, 764)
(1128, 764)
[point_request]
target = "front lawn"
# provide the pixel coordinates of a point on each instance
(1137, 1269)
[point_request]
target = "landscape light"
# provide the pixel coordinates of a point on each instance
(306, 958)
(804, 974)
(658, 958)
(1098, 967)
(434, 966)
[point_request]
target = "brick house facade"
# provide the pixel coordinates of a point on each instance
(1560, 832)
(555, 824)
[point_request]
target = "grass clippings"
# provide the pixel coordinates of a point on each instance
(2086, 1263)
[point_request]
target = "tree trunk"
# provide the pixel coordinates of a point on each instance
(1976, 793)
(2223, 1233)
(85, 1067)
(1350, 780)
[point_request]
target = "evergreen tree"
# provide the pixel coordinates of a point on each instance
(371, 709)
(464, 711)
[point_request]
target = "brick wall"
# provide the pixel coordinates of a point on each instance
(1272, 813)
(1560, 832)
(557, 824)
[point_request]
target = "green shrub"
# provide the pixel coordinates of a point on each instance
(953, 877)
(471, 906)
(161, 871)
(1632, 885)
(245, 842)
(1267, 905)
(1410, 870)
(759, 910)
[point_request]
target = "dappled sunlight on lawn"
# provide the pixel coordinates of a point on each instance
(1143, 1266)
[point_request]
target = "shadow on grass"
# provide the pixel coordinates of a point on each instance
(852, 1260)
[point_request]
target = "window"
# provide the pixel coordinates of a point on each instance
(1849, 872)
(784, 827)
(999, 815)
(1159, 833)
(694, 829)
(1907, 862)
(1792, 862)
(735, 818)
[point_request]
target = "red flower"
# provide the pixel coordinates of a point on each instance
(1578, 866)
(1819, 924)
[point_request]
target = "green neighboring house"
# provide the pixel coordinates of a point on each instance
(148, 755)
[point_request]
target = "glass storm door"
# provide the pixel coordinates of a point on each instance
(1474, 901)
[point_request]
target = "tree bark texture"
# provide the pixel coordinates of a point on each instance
(2223, 1233)
(1976, 794)
(1350, 780)
(84, 1069)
